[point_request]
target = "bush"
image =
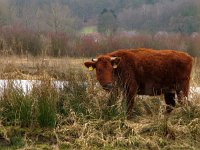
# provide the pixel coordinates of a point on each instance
(21, 41)
(59, 44)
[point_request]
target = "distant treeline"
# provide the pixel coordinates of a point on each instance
(22, 41)
(72, 15)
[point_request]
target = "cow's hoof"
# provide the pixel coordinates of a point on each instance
(169, 109)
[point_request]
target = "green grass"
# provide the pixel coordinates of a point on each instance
(90, 29)
(46, 97)
(16, 107)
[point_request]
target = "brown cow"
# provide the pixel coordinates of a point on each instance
(145, 72)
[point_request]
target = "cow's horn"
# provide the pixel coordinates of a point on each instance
(113, 58)
(94, 59)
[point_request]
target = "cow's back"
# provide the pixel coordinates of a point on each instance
(156, 70)
(166, 65)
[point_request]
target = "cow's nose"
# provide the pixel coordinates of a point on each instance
(107, 86)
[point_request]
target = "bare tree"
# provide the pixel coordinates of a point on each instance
(57, 16)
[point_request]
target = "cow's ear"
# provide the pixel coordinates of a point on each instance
(115, 61)
(90, 65)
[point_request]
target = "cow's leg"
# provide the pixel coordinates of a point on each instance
(129, 105)
(182, 91)
(130, 97)
(113, 96)
(170, 101)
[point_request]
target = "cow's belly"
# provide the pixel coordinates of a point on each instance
(150, 92)
(154, 89)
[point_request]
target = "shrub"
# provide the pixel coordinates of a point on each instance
(22, 40)
(59, 44)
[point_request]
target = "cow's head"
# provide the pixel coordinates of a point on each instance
(104, 66)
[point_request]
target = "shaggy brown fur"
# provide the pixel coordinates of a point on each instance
(145, 72)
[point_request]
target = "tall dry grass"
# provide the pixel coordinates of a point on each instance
(83, 116)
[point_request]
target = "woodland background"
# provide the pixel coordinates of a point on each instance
(67, 27)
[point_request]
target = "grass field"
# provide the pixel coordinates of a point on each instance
(78, 117)
(90, 29)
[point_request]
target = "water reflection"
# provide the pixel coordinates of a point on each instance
(27, 85)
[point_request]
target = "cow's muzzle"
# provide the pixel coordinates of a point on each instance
(107, 87)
